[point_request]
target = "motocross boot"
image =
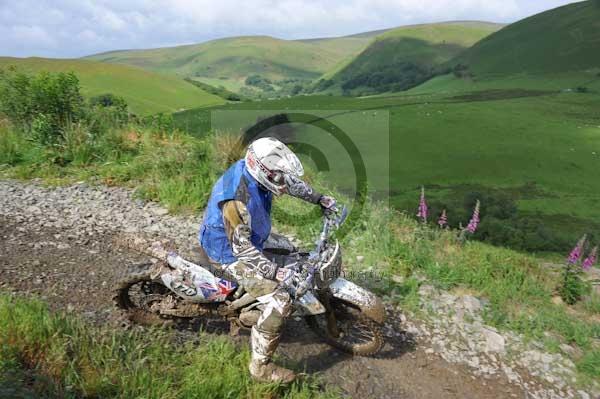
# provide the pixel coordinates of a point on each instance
(261, 367)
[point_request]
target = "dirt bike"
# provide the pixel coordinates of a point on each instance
(345, 315)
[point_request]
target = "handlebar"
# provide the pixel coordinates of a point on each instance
(301, 278)
(329, 223)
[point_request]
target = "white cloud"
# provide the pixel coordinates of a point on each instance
(36, 34)
(69, 28)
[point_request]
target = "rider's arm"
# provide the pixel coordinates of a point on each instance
(298, 188)
(237, 227)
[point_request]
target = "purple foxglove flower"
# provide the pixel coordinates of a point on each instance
(576, 253)
(422, 206)
(474, 222)
(443, 220)
(591, 259)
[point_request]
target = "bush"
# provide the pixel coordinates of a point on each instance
(233, 97)
(322, 84)
(218, 91)
(260, 82)
(49, 133)
(43, 131)
(159, 123)
(461, 71)
(78, 145)
(44, 103)
(11, 145)
(108, 100)
(394, 77)
(497, 204)
(118, 144)
(107, 110)
(256, 80)
(49, 109)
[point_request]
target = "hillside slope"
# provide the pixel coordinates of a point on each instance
(560, 40)
(403, 57)
(146, 92)
(238, 57)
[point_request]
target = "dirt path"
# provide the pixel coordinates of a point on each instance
(75, 275)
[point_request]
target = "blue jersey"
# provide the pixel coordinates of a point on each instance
(235, 184)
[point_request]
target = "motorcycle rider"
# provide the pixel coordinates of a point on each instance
(236, 225)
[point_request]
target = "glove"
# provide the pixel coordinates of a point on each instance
(284, 275)
(302, 289)
(328, 205)
(294, 281)
(303, 283)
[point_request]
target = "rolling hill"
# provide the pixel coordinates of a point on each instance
(555, 51)
(146, 92)
(228, 62)
(233, 59)
(564, 39)
(401, 58)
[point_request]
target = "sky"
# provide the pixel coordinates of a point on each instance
(74, 28)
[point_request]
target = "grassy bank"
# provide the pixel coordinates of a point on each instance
(52, 355)
(172, 168)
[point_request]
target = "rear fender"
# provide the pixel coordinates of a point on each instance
(368, 303)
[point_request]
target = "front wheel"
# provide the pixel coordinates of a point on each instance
(347, 329)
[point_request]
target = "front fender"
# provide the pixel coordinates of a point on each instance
(308, 305)
(369, 304)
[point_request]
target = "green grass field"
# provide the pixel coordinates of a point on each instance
(145, 92)
(541, 147)
(556, 82)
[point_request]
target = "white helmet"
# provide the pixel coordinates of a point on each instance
(268, 160)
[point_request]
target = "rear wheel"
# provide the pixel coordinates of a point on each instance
(347, 329)
(140, 297)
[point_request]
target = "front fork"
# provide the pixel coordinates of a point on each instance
(325, 298)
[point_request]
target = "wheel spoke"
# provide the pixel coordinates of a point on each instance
(351, 330)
